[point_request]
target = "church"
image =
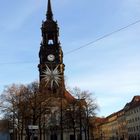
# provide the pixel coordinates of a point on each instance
(65, 120)
(46, 110)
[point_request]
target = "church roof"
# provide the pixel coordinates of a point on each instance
(68, 96)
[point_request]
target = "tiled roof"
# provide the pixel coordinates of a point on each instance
(100, 120)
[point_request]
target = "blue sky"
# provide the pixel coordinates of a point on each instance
(109, 68)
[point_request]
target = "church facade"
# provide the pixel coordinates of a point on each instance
(64, 120)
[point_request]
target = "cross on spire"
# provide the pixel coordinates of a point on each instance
(49, 11)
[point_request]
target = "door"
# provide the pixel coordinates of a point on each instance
(72, 137)
(54, 137)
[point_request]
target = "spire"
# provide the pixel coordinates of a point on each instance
(49, 11)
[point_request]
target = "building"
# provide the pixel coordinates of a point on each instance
(62, 122)
(132, 114)
(96, 127)
(121, 125)
(109, 128)
(122, 130)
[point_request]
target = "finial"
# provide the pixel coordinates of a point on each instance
(49, 11)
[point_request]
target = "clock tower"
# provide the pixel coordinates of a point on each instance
(51, 67)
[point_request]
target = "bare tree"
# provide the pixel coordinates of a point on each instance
(13, 106)
(23, 105)
(84, 108)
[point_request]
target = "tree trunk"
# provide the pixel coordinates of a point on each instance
(85, 133)
(80, 127)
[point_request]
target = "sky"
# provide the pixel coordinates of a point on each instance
(109, 68)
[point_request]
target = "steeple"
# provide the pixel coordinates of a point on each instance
(51, 55)
(49, 13)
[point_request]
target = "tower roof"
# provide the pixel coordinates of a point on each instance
(49, 13)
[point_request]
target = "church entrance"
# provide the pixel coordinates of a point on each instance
(72, 137)
(53, 137)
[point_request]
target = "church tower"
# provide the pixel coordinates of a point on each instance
(51, 67)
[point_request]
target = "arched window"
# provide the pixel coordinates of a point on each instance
(50, 42)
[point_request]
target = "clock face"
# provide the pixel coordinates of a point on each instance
(51, 57)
